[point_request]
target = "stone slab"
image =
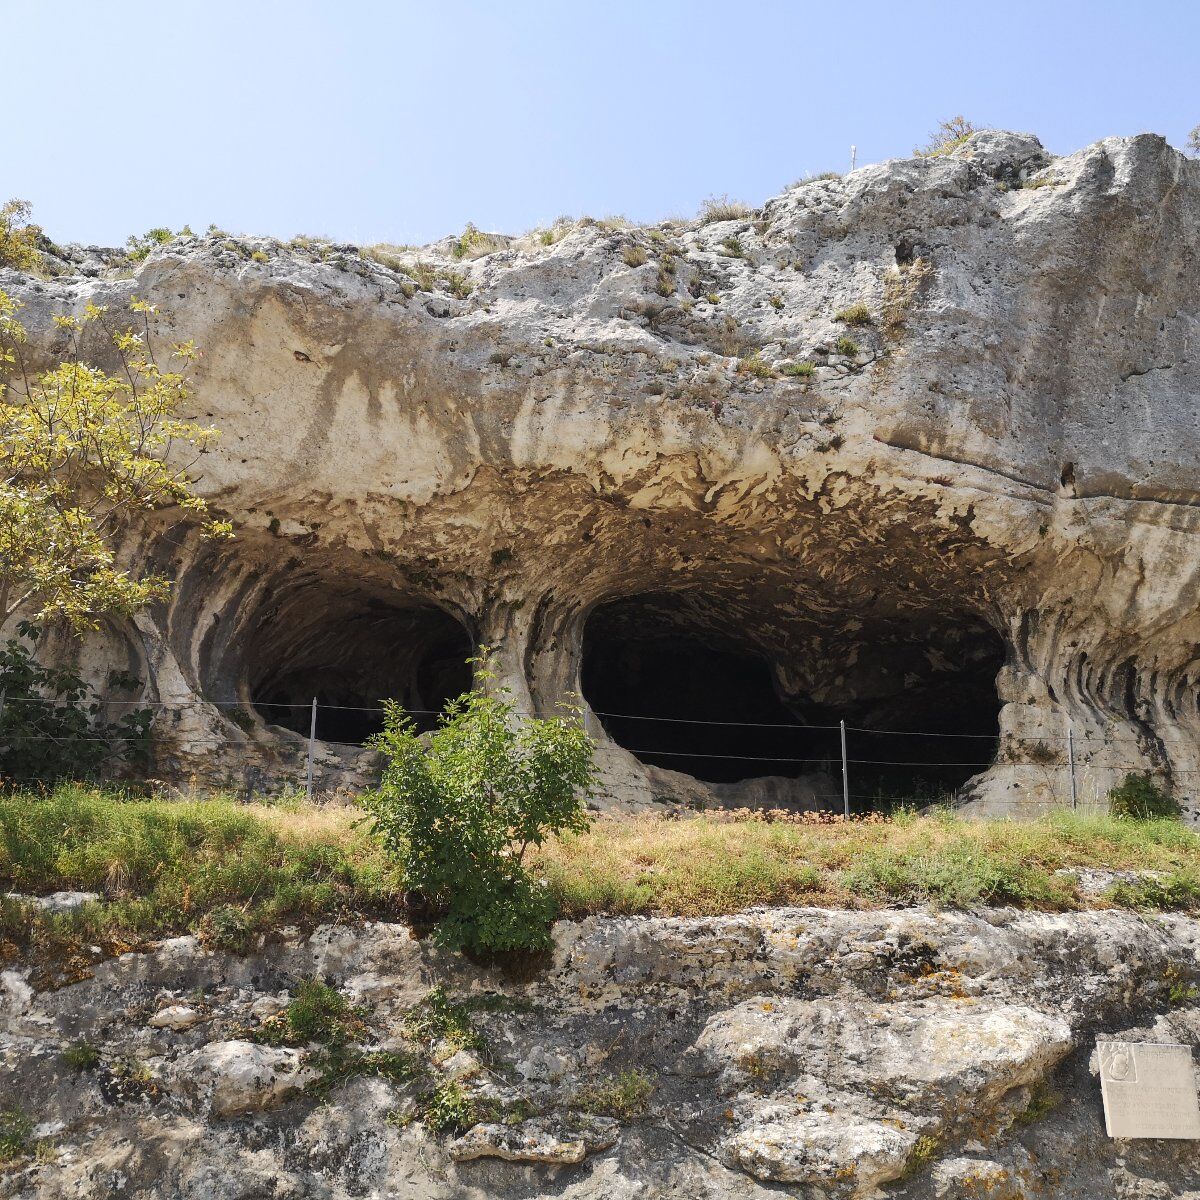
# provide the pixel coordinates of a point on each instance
(1149, 1090)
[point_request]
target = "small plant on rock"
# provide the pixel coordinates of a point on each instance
(20, 239)
(15, 1131)
(624, 1096)
(462, 808)
(634, 255)
(1140, 798)
(797, 370)
(81, 1056)
(948, 136)
(721, 208)
(855, 314)
(847, 347)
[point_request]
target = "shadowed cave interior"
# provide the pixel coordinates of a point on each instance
(352, 653)
(677, 667)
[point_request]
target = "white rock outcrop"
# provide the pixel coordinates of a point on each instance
(915, 448)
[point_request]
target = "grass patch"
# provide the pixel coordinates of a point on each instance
(856, 314)
(798, 370)
(625, 1096)
(215, 867)
(15, 1131)
(721, 208)
(232, 872)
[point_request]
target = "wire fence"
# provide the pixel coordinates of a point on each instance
(838, 754)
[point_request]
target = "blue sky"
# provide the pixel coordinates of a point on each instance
(374, 121)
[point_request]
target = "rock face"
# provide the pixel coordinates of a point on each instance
(798, 1052)
(654, 466)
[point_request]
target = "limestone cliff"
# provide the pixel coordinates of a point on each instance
(797, 1052)
(612, 451)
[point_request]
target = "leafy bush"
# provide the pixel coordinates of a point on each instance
(50, 721)
(140, 245)
(81, 1055)
(462, 809)
(846, 346)
(15, 1131)
(1138, 796)
(318, 1013)
(20, 239)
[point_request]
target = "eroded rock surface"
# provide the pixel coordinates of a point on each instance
(654, 464)
(794, 1052)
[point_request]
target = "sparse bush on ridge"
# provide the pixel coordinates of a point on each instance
(20, 238)
(948, 136)
(721, 208)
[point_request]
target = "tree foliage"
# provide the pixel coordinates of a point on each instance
(83, 454)
(948, 135)
(52, 725)
(1140, 797)
(1193, 141)
(20, 239)
(461, 809)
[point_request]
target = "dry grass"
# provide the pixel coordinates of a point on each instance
(232, 871)
(708, 866)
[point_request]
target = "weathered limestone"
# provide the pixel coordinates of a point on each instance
(990, 498)
(795, 1052)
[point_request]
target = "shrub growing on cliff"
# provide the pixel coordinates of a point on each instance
(1139, 797)
(52, 727)
(82, 455)
(948, 136)
(19, 237)
(462, 808)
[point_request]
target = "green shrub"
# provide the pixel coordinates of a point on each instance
(948, 136)
(448, 1109)
(462, 808)
(52, 725)
(140, 245)
(801, 370)
(1139, 797)
(634, 255)
(732, 246)
(20, 239)
(846, 346)
(317, 1013)
(474, 243)
(624, 1096)
(227, 928)
(15, 1131)
(856, 314)
(756, 365)
(81, 1055)
(457, 284)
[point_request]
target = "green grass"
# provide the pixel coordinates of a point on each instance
(232, 872)
(214, 867)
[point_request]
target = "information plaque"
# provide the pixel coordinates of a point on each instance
(1149, 1090)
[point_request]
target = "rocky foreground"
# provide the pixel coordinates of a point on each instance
(799, 1052)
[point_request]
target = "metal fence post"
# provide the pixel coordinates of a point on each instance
(1071, 761)
(845, 776)
(312, 737)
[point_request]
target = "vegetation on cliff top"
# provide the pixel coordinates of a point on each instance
(231, 871)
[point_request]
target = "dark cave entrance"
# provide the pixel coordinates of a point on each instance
(664, 673)
(352, 654)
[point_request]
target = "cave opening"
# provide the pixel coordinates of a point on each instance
(351, 653)
(686, 687)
